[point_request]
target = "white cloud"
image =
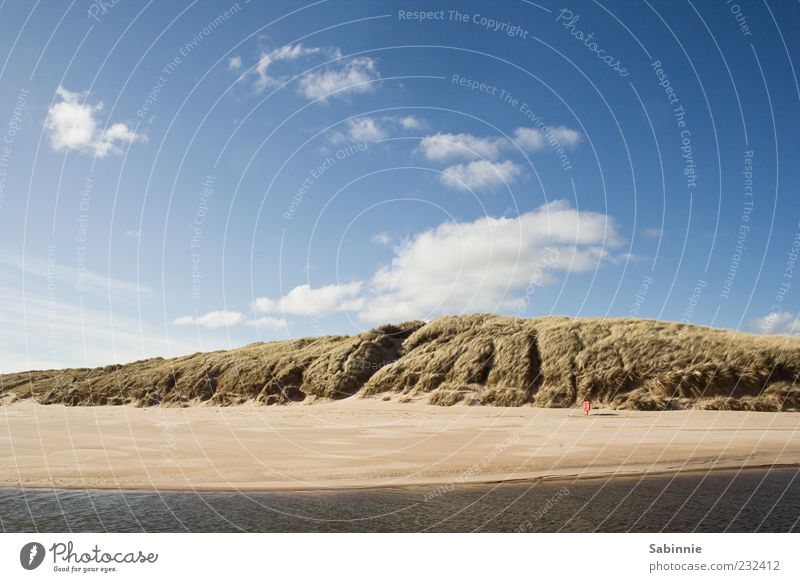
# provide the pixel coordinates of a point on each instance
(289, 52)
(530, 139)
(303, 300)
(265, 305)
(779, 322)
(72, 125)
(212, 319)
(412, 122)
(653, 232)
(267, 322)
(480, 175)
(369, 129)
(381, 239)
(354, 76)
(443, 147)
(487, 264)
(565, 136)
(365, 129)
(534, 140)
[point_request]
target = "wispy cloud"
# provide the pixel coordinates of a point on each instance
(305, 300)
(653, 232)
(355, 75)
(42, 331)
(234, 63)
(78, 278)
(778, 322)
(341, 77)
(381, 238)
(212, 319)
(411, 122)
(72, 125)
(366, 129)
(273, 323)
(267, 61)
(480, 175)
(445, 147)
(369, 129)
(442, 147)
(535, 140)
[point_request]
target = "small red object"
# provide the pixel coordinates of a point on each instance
(587, 406)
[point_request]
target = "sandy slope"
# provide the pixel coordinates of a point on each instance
(355, 443)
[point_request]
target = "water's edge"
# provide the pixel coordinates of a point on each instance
(449, 480)
(747, 500)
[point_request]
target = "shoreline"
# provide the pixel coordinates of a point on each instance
(359, 444)
(555, 479)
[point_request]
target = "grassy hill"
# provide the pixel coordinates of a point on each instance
(467, 359)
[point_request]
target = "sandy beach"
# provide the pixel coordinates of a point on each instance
(370, 443)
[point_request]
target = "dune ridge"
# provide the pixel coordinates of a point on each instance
(550, 362)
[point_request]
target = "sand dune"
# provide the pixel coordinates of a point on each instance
(469, 359)
(369, 443)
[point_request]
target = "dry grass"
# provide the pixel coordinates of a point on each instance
(469, 359)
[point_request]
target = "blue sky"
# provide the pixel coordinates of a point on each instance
(201, 175)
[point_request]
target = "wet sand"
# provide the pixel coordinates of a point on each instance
(368, 443)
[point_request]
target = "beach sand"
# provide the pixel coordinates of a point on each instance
(370, 443)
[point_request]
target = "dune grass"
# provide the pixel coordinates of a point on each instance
(468, 359)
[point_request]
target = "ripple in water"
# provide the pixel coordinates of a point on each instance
(748, 501)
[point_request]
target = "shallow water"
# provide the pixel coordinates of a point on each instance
(747, 501)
